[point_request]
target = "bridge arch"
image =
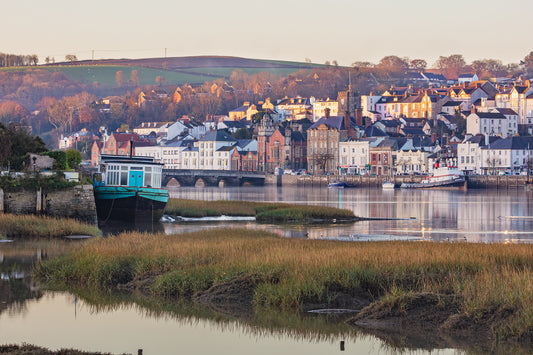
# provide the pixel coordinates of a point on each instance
(173, 182)
(199, 183)
(222, 183)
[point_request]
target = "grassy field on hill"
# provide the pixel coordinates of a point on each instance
(193, 70)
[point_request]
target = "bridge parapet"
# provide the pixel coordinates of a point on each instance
(189, 177)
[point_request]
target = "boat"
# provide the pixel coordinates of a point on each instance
(128, 188)
(444, 175)
(337, 184)
(388, 185)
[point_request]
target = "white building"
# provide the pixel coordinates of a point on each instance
(354, 156)
(209, 144)
(145, 149)
(519, 98)
(492, 123)
(508, 155)
(412, 161)
(469, 152)
(368, 104)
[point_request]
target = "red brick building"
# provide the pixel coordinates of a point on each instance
(116, 144)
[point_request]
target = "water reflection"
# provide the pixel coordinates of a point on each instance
(439, 215)
(171, 328)
(16, 279)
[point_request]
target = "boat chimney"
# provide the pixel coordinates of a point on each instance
(131, 148)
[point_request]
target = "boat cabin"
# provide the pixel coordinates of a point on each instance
(120, 170)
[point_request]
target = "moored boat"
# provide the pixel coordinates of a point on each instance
(388, 185)
(129, 189)
(337, 184)
(445, 175)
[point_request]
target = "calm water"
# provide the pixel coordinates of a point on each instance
(441, 215)
(110, 323)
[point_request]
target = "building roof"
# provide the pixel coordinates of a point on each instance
(491, 115)
(373, 131)
(226, 148)
(335, 122)
(217, 136)
(512, 143)
(125, 137)
(480, 139)
(506, 111)
(413, 131)
(452, 104)
(180, 143)
(241, 143)
(390, 123)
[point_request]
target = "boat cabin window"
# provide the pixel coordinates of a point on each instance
(148, 176)
(119, 175)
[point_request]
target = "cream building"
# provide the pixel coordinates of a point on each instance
(320, 106)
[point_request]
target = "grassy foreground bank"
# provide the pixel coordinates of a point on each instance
(30, 226)
(264, 212)
(490, 284)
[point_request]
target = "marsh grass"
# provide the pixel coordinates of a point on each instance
(291, 273)
(264, 212)
(31, 227)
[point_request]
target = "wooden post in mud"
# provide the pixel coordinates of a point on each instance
(38, 201)
(342, 345)
(140, 352)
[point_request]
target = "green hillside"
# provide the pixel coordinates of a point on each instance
(180, 70)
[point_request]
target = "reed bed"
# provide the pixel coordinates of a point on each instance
(290, 273)
(31, 227)
(264, 212)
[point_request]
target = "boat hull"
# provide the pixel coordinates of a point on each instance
(388, 186)
(338, 185)
(131, 204)
(455, 182)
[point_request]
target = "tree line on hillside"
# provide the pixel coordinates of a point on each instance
(17, 60)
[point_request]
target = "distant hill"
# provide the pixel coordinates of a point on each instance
(176, 70)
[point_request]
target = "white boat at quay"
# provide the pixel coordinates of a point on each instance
(446, 175)
(388, 185)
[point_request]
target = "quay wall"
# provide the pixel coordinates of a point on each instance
(473, 181)
(76, 202)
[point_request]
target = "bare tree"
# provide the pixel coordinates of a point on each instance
(321, 160)
(119, 78)
(418, 64)
(71, 58)
(135, 77)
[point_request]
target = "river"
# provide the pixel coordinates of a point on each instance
(112, 323)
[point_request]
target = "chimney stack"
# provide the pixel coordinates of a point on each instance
(348, 124)
(473, 109)
(359, 117)
(326, 112)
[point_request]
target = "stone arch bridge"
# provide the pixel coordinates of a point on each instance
(191, 177)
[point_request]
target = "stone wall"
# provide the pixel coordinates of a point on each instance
(76, 202)
(474, 181)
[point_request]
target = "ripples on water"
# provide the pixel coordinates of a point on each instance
(487, 216)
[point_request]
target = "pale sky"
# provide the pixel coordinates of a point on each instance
(342, 30)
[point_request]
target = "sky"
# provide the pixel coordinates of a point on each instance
(320, 30)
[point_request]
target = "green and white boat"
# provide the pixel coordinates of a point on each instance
(128, 188)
